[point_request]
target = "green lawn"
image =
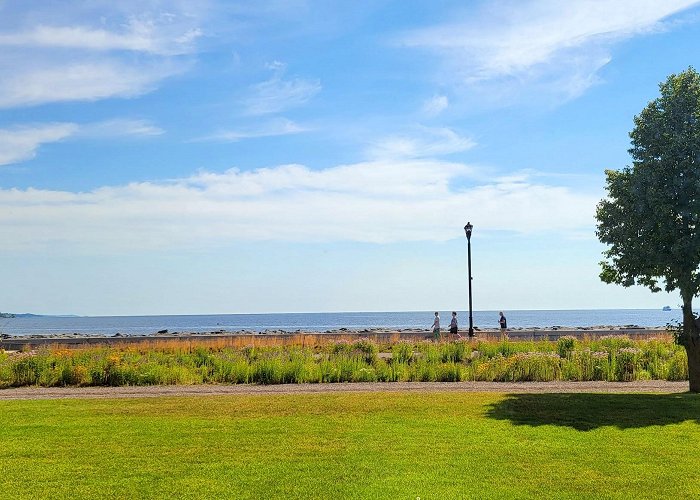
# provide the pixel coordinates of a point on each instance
(362, 445)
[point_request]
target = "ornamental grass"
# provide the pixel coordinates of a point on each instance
(569, 359)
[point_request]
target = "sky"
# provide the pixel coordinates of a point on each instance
(178, 157)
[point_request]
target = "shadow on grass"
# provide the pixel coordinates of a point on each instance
(585, 412)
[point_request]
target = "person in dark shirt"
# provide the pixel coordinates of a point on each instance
(453, 324)
(503, 323)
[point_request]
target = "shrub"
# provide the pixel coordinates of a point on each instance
(231, 369)
(449, 372)
(423, 371)
(364, 374)
(566, 345)
(393, 372)
(454, 352)
(678, 366)
(267, 371)
(612, 343)
(611, 358)
(365, 349)
(627, 363)
(26, 371)
(533, 367)
(402, 352)
(341, 347)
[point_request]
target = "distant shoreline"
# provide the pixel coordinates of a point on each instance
(16, 342)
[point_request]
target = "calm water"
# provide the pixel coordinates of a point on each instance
(110, 325)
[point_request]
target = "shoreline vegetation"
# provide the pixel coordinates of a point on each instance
(220, 361)
(517, 331)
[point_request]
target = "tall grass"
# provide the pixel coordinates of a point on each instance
(168, 362)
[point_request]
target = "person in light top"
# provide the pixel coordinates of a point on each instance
(436, 326)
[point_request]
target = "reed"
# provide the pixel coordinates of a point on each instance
(224, 361)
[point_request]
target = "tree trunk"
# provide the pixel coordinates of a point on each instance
(691, 341)
(692, 348)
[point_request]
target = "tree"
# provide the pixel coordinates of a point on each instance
(651, 216)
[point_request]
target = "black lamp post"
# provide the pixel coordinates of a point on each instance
(468, 230)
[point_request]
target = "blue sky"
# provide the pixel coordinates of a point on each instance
(176, 157)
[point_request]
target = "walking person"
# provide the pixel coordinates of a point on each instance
(453, 325)
(503, 324)
(436, 326)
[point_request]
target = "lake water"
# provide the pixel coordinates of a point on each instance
(144, 325)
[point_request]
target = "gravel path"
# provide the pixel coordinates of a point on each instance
(657, 386)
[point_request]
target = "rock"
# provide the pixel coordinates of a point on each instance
(162, 331)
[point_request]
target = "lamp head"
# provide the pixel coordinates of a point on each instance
(468, 230)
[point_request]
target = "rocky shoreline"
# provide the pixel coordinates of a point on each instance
(14, 342)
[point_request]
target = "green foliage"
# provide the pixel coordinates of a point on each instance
(366, 349)
(607, 358)
(565, 345)
(455, 352)
(402, 352)
(650, 219)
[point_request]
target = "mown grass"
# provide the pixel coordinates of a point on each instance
(353, 445)
(608, 358)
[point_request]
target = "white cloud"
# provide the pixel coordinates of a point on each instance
(120, 127)
(279, 94)
(435, 105)
(27, 85)
(21, 143)
(140, 35)
(541, 41)
(277, 127)
(69, 54)
(422, 142)
(381, 201)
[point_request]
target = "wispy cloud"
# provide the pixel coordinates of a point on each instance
(275, 127)
(420, 142)
(379, 201)
(435, 105)
(80, 56)
(138, 34)
(120, 127)
(560, 44)
(21, 143)
(27, 85)
(279, 93)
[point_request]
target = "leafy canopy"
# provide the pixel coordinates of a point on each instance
(651, 217)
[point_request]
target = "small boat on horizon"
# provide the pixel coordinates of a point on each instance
(666, 308)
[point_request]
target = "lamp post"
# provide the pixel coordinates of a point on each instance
(468, 230)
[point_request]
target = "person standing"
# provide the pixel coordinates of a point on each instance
(503, 323)
(436, 326)
(453, 324)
